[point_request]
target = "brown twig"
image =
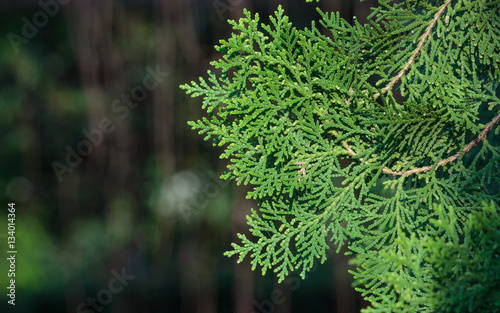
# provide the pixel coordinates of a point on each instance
(452, 158)
(417, 51)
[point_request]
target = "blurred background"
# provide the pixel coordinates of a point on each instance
(119, 205)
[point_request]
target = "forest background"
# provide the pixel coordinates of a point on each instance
(116, 198)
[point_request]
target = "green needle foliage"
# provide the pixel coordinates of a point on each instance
(450, 273)
(362, 136)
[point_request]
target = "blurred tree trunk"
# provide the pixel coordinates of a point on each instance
(161, 129)
(31, 151)
(69, 216)
(83, 39)
(102, 79)
(163, 101)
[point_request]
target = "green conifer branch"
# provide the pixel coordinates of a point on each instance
(395, 80)
(286, 101)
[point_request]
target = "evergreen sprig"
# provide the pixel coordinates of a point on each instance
(456, 274)
(314, 124)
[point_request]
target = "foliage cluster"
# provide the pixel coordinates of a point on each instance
(363, 136)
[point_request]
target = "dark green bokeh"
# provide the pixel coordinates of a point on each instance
(148, 197)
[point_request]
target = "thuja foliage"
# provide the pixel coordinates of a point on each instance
(451, 273)
(381, 137)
